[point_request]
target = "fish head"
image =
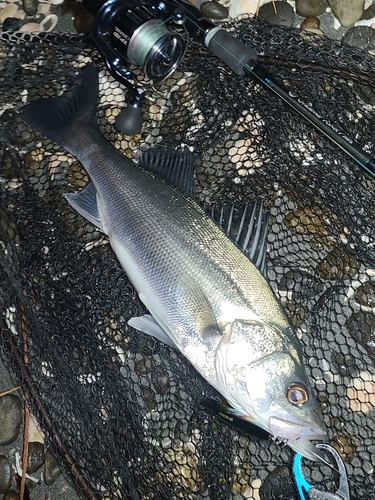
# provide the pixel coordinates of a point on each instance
(259, 371)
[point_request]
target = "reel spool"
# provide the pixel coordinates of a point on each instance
(150, 35)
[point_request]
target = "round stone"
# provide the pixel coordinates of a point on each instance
(83, 20)
(5, 474)
(311, 8)
(359, 36)
(35, 458)
(347, 12)
(283, 16)
(311, 23)
(214, 10)
(30, 6)
(51, 468)
(12, 24)
(11, 495)
(10, 418)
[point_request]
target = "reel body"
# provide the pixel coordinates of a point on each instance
(150, 35)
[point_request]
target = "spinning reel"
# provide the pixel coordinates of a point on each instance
(147, 34)
(153, 35)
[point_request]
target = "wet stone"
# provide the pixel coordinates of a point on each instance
(35, 458)
(12, 24)
(370, 12)
(311, 8)
(144, 366)
(311, 23)
(346, 446)
(347, 12)
(361, 327)
(360, 36)
(11, 495)
(5, 474)
(10, 418)
(278, 484)
(300, 284)
(338, 265)
(344, 364)
(214, 10)
(83, 20)
(365, 294)
(284, 15)
(30, 7)
(51, 468)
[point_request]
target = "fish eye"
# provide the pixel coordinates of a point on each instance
(297, 394)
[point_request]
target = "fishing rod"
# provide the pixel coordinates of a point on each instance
(155, 34)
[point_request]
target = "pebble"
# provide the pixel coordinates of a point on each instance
(365, 294)
(338, 265)
(369, 13)
(214, 10)
(310, 220)
(311, 23)
(51, 468)
(361, 393)
(5, 474)
(297, 283)
(346, 446)
(48, 23)
(7, 12)
(347, 12)
(238, 7)
(11, 495)
(11, 418)
(12, 24)
(278, 484)
(83, 20)
(284, 15)
(35, 458)
(360, 36)
(30, 27)
(361, 326)
(30, 7)
(311, 8)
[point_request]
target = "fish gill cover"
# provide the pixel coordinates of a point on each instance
(122, 412)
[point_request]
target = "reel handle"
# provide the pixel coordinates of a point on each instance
(129, 121)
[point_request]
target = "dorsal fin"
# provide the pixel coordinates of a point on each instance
(246, 226)
(174, 166)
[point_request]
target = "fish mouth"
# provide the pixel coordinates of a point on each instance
(298, 436)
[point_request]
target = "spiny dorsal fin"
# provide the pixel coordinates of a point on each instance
(246, 226)
(174, 166)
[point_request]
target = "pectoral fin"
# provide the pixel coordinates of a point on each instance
(86, 204)
(147, 324)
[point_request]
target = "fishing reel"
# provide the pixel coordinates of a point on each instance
(154, 35)
(148, 34)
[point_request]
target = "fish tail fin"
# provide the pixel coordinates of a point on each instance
(55, 115)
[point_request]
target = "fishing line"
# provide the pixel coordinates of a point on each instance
(351, 481)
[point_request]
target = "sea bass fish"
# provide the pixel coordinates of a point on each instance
(204, 295)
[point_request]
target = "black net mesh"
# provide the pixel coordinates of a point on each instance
(122, 412)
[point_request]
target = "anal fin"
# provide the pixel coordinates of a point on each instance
(86, 204)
